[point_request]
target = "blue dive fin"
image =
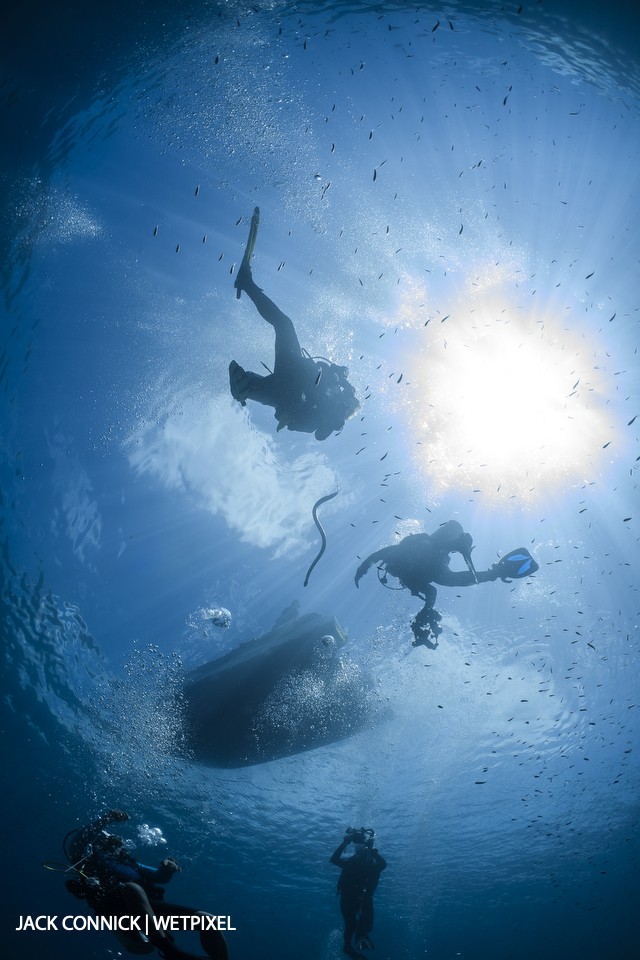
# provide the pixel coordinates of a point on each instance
(516, 565)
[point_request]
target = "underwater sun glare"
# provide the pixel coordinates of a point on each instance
(510, 407)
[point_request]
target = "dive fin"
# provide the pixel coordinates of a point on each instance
(248, 250)
(516, 565)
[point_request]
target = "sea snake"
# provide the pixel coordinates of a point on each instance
(329, 496)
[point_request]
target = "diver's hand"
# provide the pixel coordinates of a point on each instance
(170, 867)
(116, 816)
(360, 572)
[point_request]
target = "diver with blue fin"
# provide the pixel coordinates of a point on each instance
(118, 887)
(421, 560)
(308, 395)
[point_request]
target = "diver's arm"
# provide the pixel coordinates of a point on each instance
(161, 874)
(379, 860)
(464, 578)
(380, 555)
(336, 857)
(85, 835)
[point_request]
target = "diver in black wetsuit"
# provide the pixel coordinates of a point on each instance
(356, 885)
(422, 559)
(114, 884)
(309, 396)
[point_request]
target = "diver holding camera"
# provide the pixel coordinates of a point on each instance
(356, 885)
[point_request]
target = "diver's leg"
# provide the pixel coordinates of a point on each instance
(246, 385)
(287, 343)
(263, 304)
(349, 909)
(365, 924)
(131, 901)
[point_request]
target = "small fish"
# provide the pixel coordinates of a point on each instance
(197, 190)
(375, 173)
(319, 377)
(626, 519)
(632, 420)
(434, 28)
(155, 231)
(178, 248)
(589, 275)
(384, 456)
(612, 318)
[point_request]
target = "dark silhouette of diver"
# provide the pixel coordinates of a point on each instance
(356, 885)
(115, 884)
(308, 395)
(422, 559)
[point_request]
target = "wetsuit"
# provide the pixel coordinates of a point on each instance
(356, 885)
(308, 396)
(421, 560)
(115, 884)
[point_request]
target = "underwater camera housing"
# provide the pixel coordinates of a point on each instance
(360, 835)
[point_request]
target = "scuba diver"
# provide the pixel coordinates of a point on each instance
(356, 885)
(115, 884)
(309, 395)
(422, 559)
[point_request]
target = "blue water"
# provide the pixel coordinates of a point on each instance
(501, 780)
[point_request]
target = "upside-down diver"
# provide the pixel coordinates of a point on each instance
(308, 395)
(421, 560)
